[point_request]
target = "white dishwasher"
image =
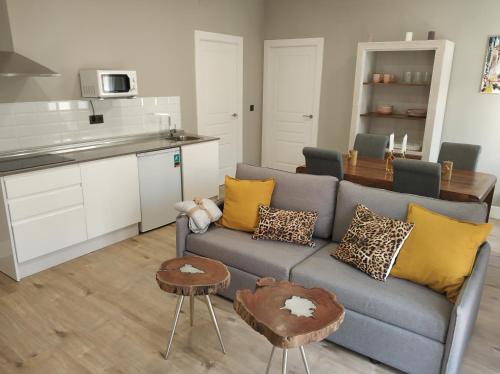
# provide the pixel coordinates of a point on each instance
(160, 187)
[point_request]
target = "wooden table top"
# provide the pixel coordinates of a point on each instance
(193, 275)
(287, 314)
(464, 185)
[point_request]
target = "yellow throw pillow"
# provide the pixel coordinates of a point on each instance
(440, 251)
(241, 202)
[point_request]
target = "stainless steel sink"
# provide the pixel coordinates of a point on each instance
(183, 138)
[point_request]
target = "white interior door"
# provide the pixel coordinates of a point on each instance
(219, 95)
(292, 87)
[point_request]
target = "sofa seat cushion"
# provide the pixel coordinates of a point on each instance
(396, 301)
(263, 258)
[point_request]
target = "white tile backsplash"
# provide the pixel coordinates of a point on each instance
(47, 123)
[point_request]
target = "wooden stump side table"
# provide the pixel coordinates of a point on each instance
(289, 315)
(192, 276)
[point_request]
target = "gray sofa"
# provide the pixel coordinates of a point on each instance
(397, 322)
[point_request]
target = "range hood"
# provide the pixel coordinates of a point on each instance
(13, 64)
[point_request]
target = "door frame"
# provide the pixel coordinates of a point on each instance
(303, 42)
(200, 36)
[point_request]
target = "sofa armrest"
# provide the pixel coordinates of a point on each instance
(464, 314)
(182, 230)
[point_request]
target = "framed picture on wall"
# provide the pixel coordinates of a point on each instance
(490, 82)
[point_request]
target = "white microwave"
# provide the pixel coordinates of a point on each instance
(104, 84)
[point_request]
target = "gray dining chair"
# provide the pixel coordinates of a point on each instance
(464, 156)
(417, 177)
(324, 162)
(371, 145)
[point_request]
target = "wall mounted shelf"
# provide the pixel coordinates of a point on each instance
(392, 116)
(397, 84)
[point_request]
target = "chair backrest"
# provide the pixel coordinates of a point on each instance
(417, 177)
(324, 162)
(464, 156)
(371, 145)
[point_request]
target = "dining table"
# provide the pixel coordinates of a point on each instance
(464, 185)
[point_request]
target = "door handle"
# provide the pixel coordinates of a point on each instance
(310, 116)
(234, 115)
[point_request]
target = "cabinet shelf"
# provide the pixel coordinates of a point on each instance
(426, 56)
(392, 116)
(397, 84)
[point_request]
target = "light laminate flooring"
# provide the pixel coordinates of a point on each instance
(104, 313)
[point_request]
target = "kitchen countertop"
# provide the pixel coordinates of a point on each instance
(97, 150)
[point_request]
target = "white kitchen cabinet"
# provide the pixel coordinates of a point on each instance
(200, 170)
(41, 181)
(47, 233)
(111, 194)
(45, 210)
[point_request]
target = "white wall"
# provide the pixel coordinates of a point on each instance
(471, 117)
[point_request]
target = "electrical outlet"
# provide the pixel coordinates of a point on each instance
(96, 119)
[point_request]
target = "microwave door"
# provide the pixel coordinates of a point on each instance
(115, 83)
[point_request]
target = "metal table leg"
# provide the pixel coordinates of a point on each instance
(191, 309)
(285, 360)
(270, 360)
(180, 299)
(303, 353)
(214, 320)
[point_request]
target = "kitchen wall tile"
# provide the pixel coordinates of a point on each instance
(26, 119)
(35, 124)
(65, 105)
(8, 132)
(23, 107)
(174, 100)
(44, 106)
(47, 117)
(9, 144)
(7, 120)
(37, 141)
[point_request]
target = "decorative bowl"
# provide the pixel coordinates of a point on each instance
(385, 109)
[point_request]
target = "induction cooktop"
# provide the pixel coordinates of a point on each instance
(31, 162)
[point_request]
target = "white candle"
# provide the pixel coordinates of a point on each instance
(391, 142)
(409, 36)
(403, 144)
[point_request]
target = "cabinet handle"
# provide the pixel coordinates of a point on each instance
(310, 116)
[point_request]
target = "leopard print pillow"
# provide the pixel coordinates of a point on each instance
(372, 242)
(285, 225)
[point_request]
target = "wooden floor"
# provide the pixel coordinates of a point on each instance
(103, 313)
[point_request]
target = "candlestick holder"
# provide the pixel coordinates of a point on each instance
(388, 162)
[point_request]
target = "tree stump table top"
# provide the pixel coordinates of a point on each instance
(287, 314)
(192, 275)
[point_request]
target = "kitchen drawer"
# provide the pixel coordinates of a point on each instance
(45, 234)
(45, 202)
(41, 181)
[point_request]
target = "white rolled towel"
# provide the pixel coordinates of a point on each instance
(201, 213)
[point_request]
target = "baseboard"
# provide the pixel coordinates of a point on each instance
(52, 259)
(495, 212)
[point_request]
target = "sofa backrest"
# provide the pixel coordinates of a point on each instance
(299, 192)
(395, 205)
